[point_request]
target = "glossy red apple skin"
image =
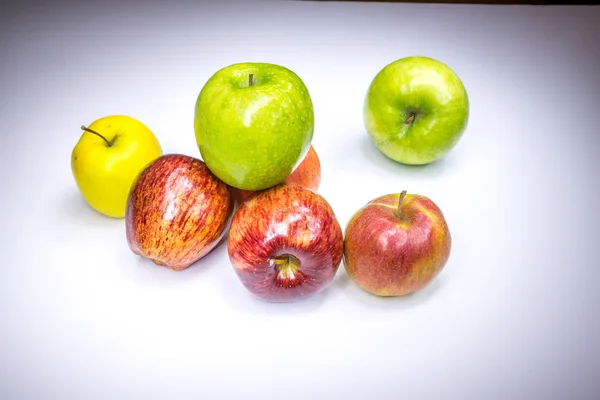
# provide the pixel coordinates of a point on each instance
(177, 211)
(307, 174)
(287, 219)
(388, 255)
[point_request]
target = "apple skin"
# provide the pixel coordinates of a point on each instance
(307, 174)
(285, 243)
(104, 172)
(390, 255)
(253, 136)
(177, 211)
(416, 110)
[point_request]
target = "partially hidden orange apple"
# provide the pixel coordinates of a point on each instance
(306, 174)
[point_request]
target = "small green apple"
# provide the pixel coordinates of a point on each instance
(254, 124)
(416, 110)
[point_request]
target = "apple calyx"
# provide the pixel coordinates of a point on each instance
(400, 200)
(108, 144)
(410, 118)
(250, 80)
(287, 267)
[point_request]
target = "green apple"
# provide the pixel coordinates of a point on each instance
(254, 124)
(416, 110)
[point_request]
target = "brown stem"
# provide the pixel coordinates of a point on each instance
(96, 133)
(400, 200)
(251, 80)
(410, 118)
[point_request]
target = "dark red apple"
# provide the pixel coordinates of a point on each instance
(177, 211)
(396, 244)
(307, 174)
(285, 243)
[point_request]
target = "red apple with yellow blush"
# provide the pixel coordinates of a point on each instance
(396, 244)
(307, 174)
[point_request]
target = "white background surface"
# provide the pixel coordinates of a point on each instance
(513, 315)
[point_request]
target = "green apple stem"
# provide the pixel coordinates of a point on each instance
(410, 118)
(96, 133)
(400, 200)
(251, 80)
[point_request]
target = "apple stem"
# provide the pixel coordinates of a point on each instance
(286, 266)
(251, 80)
(96, 133)
(400, 200)
(410, 118)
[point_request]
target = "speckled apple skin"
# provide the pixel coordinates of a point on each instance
(390, 256)
(177, 211)
(433, 93)
(286, 219)
(253, 136)
(307, 174)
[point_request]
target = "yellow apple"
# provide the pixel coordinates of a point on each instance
(109, 156)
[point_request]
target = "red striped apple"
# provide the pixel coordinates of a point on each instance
(285, 243)
(307, 174)
(396, 244)
(177, 211)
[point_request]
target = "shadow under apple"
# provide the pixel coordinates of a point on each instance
(405, 302)
(373, 155)
(243, 300)
(146, 271)
(342, 280)
(74, 207)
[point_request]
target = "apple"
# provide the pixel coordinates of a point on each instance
(253, 124)
(177, 211)
(307, 174)
(109, 155)
(285, 243)
(416, 110)
(396, 244)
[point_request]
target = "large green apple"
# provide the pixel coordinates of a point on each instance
(416, 110)
(254, 124)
